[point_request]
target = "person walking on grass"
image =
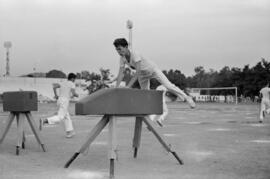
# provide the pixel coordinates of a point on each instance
(265, 102)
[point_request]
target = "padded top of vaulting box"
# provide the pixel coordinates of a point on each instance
(121, 101)
(20, 101)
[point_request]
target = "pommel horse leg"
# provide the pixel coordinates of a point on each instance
(137, 135)
(112, 141)
(91, 137)
(152, 129)
(34, 129)
(9, 121)
(23, 140)
(20, 133)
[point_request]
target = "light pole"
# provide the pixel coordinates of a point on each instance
(7, 45)
(130, 26)
(34, 74)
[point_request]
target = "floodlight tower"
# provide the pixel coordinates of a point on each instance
(7, 45)
(130, 26)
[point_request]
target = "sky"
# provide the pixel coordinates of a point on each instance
(76, 35)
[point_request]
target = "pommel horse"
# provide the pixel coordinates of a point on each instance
(21, 103)
(115, 102)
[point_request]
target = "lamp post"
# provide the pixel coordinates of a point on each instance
(129, 27)
(34, 74)
(7, 45)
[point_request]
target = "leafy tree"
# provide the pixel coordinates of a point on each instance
(248, 80)
(78, 75)
(176, 77)
(105, 73)
(85, 75)
(97, 80)
(56, 74)
(199, 80)
(223, 78)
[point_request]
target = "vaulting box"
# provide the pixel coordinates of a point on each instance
(121, 101)
(20, 101)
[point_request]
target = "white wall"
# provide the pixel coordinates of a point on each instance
(43, 86)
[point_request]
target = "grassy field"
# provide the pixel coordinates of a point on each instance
(215, 141)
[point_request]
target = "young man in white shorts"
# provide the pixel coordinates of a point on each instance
(145, 70)
(265, 103)
(66, 92)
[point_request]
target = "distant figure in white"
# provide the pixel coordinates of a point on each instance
(66, 92)
(265, 102)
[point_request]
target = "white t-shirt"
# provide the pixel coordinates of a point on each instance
(146, 65)
(65, 89)
(265, 93)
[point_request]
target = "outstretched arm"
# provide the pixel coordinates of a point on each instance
(133, 80)
(120, 76)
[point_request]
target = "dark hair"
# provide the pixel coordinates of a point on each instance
(71, 76)
(120, 42)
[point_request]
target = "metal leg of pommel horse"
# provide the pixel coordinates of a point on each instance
(9, 121)
(34, 129)
(137, 135)
(152, 129)
(91, 137)
(20, 131)
(112, 141)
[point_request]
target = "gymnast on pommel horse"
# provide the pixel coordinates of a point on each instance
(115, 102)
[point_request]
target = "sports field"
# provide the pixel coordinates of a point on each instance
(215, 141)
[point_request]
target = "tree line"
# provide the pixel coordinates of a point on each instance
(248, 80)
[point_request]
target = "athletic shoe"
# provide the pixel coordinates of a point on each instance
(190, 102)
(70, 134)
(260, 121)
(42, 122)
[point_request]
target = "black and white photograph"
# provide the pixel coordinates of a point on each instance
(134, 89)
